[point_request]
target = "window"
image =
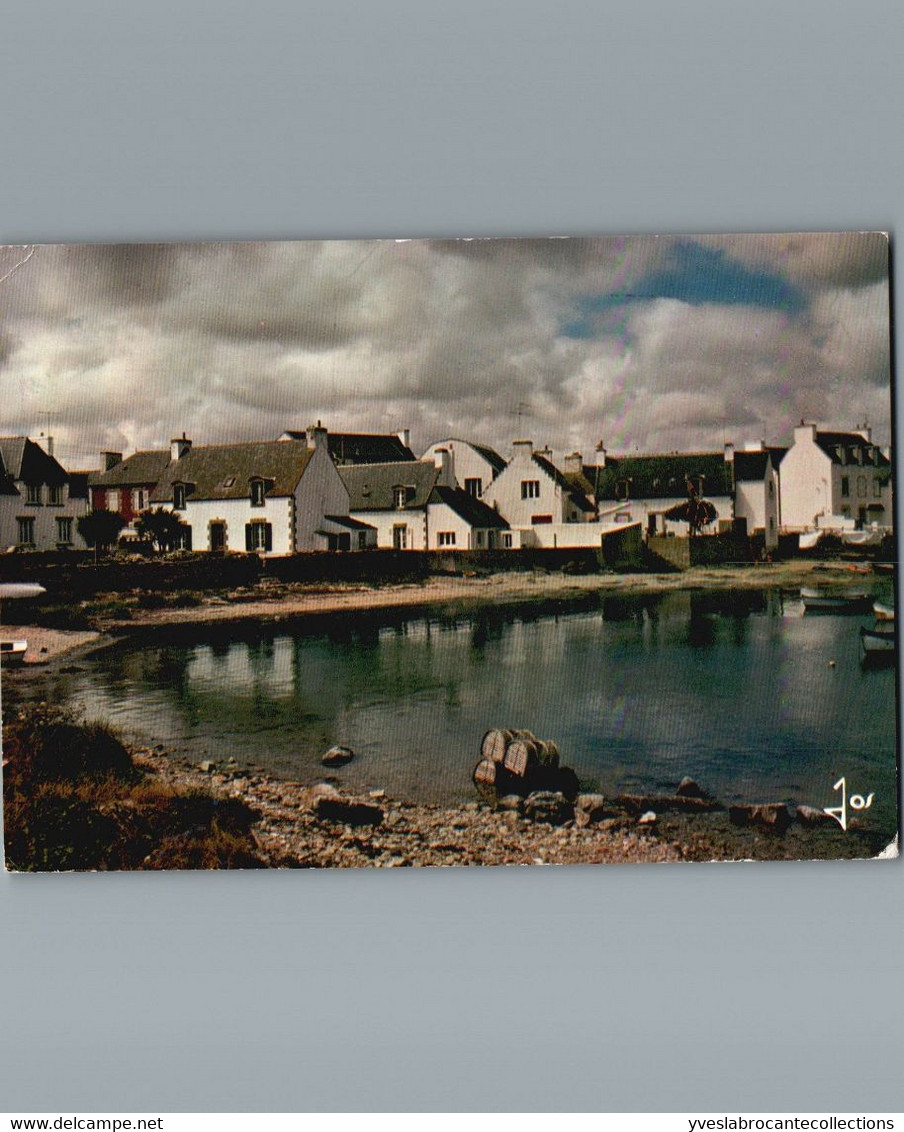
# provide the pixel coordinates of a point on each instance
(400, 496)
(112, 500)
(64, 531)
(26, 532)
(445, 538)
(474, 486)
(771, 523)
(140, 497)
(480, 538)
(55, 495)
(861, 486)
(507, 540)
(530, 489)
(877, 489)
(178, 496)
(400, 537)
(540, 520)
(771, 489)
(257, 493)
(227, 483)
(33, 493)
(258, 535)
(845, 485)
(362, 540)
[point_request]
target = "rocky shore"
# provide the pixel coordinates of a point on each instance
(323, 826)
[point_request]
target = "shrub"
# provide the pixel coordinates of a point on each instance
(75, 800)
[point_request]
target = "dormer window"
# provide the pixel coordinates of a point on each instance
(258, 488)
(178, 496)
(400, 496)
(33, 493)
(55, 495)
(622, 488)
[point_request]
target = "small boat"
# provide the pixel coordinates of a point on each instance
(861, 538)
(884, 567)
(877, 646)
(12, 653)
(830, 603)
(883, 612)
(807, 540)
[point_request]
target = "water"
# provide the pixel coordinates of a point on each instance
(734, 689)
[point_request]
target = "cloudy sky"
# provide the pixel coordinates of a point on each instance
(646, 343)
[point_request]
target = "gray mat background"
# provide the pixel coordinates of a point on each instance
(700, 988)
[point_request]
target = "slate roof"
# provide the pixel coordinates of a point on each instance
(847, 442)
(491, 456)
(778, 454)
(577, 497)
(361, 447)
(661, 476)
(212, 467)
(7, 487)
(370, 486)
(27, 462)
(474, 511)
(78, 485)
(750, 466)
(348, 521)
(138, 470)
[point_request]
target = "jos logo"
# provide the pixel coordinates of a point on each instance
(856, 802)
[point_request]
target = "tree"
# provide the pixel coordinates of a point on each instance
(101, 528)
(163, 528)
(696, 512)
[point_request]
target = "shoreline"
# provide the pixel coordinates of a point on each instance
(304, 827)
(296, 604)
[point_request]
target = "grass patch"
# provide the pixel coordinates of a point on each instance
(74, 799)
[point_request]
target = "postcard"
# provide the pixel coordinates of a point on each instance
(447, 552)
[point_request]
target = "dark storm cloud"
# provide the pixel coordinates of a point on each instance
(640, 341)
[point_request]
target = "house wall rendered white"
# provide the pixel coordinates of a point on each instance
(45, 515)
(414, 520)
(235, 513)
(643, 509)
(505, 493)
(319, 492)
(806, 482)
(759, 506)
(469, 464)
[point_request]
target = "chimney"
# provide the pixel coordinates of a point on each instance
(546, 453)
(805, 431)
(600, 456)
(574, 463)
(109, 460)
(865, 431)
(446, 465)
(729, 452)
(316, 436)
(47, 443)
(522, 449)
(405, 436)
(179, 447)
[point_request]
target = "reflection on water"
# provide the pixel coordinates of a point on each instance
(733, 688)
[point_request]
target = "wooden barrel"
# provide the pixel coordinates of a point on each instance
(494, 744)
(521, 756)
(486, 772)
(547, 753)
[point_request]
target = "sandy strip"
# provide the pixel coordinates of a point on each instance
(45, 645)
(296, 601)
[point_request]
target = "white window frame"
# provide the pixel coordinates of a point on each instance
(25, 523)
(530, 489)
(445, 538)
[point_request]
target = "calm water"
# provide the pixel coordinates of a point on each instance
(734, 689)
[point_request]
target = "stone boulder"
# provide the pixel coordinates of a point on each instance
(548, 806)
(511, 802)
(338, 756)
(347, 811)
(688, 788)
(773, 816)
(809, 815)
(592, 808)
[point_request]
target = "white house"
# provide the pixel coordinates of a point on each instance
(417, 506)
(476, 465)
(40, 504)
(531, 492)
(835, 480)
(756, 491)
(269, 497)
